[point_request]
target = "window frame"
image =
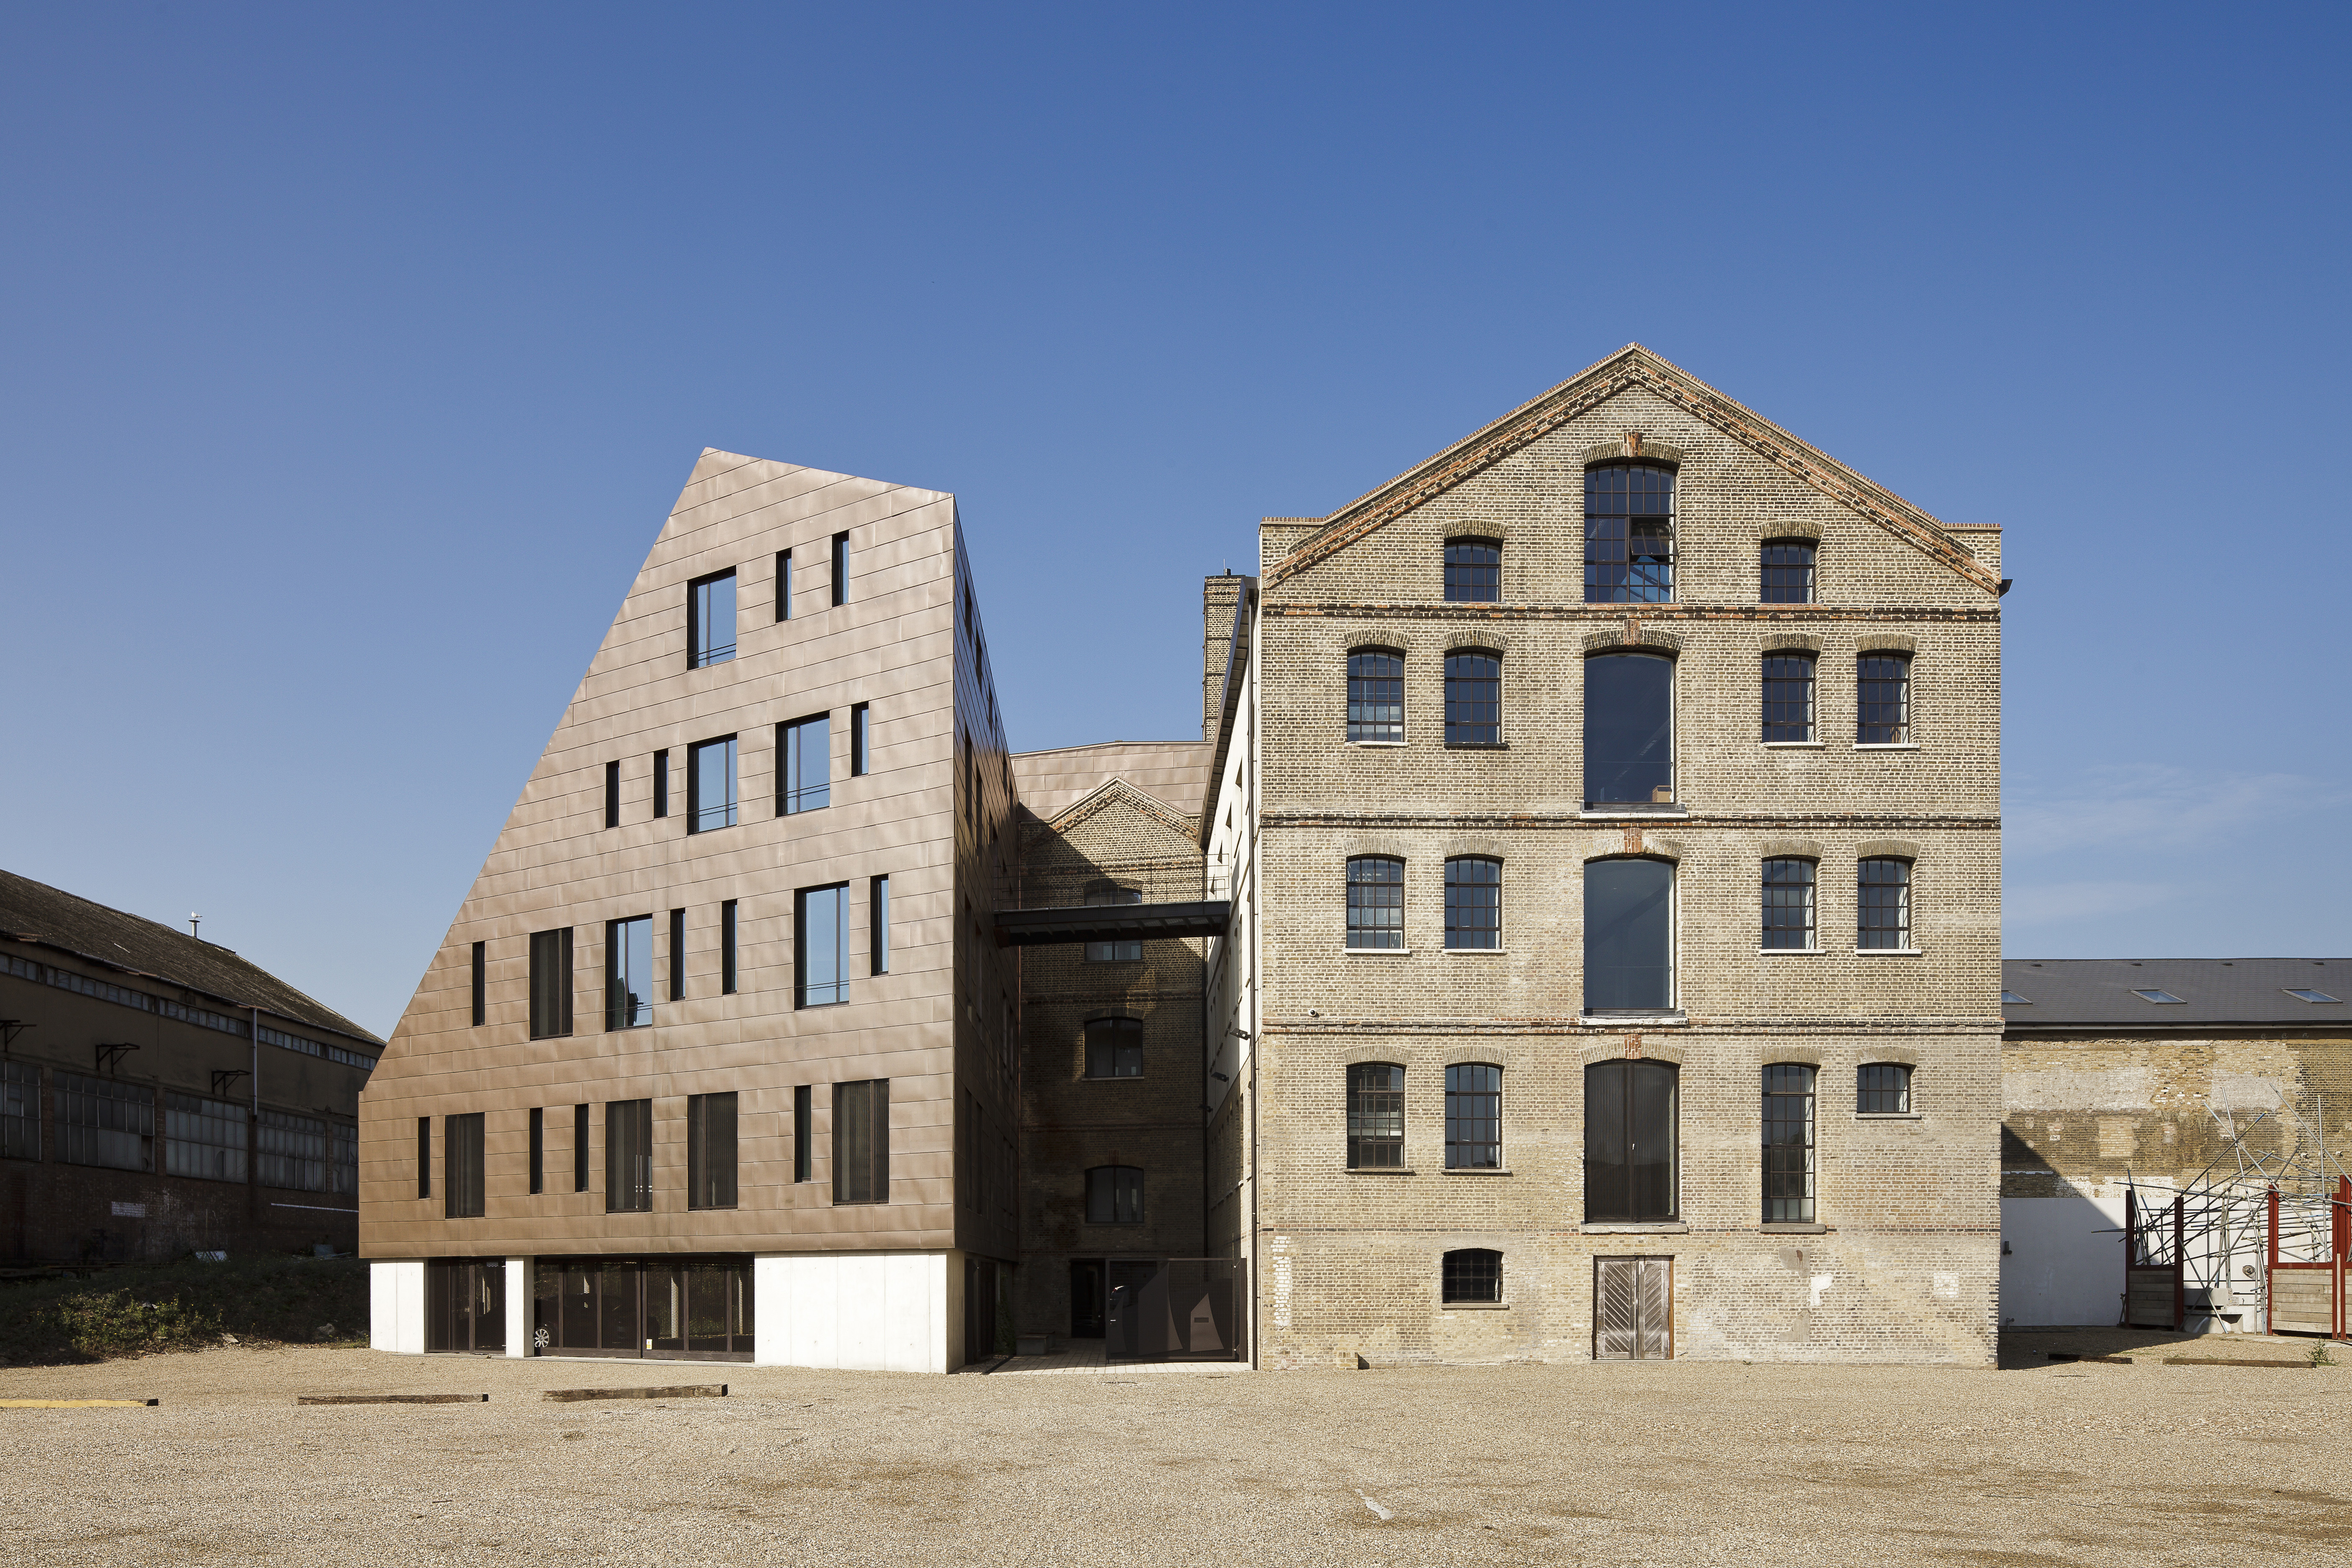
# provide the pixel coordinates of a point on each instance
(1466, 1276)
(1672, 738)
(702, 649)
(803, 1132)
(1459, 903)
(711, 1150)
(628, 1156)
(620, 996)
(550, 984)
(1630, 591)
(1673, 923)
(840, 569)
(1116, 1051)
(1811, 904)
(1903, 1076)
(1902, 730)
(612, 795)
(1905, 927)
(861, 758)
(784, 585)
(481, 983)
(1367, 730)
(676, 965)
(731, 936)
(1107, 895)
(583, 1164)
(1375, 1116)
(661, 783)
(538, 1131)
(1359, 904)
(1468, 579)
(462, 1140)
(1766, 566)
(701, 817)
(877, 924)
(1632, 1069)
(1117, 1183)
(1788, 1169)
(808, 990)
(1468, 733)
(1473, 1103)
(794, 794)
(861, 1141)
(1775, 689)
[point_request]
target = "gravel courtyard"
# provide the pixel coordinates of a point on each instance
(1676, 1463)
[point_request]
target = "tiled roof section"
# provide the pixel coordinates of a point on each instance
(2097, 993)
(1173, 772)
(35, 911)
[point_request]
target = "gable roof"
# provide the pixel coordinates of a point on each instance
(1630, 367)
(1118, 792)
(2096, 993)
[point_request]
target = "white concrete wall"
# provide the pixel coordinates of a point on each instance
(867, 1311)
(2063, 1260)
(396, 1305)
(519, 1306)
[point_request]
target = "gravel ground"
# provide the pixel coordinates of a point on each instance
(1684, 1463)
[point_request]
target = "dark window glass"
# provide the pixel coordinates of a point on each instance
(805, 772)
(711, 1151)
(20, 1110)
(1375, 1117)
(1787, 697)
(1115, 1047)
(1629, 727)
(841, 568)
(711, 784)
(1628, 535)
(538, 1149)
(1788, 571)
(1628, 936)
(878, 925)
(628, 1156)
(1885, 905)
(462, 1148)
(1631, 1157)
(1883, 699)
(1788, 905)
(579, 1148)
(297, 1153)
(1114, 951)
(858, 732)
(727, 938)
(820, 946)
(1473, 1117)
(424, 1156)
(551, 982)
(481, 983)
(612, 795)
(1474, 570)
(1114, 1195)
(1882, 1089)
(676, 956)
(710, 620)
(1788, 1145)
(661, 784)
(1474, 902)
(803, 1134)
(783, 585)
(1375, 901)
(1472, 1274)
(1375, 696)
(861, 1141)
(1474, 699)
(629, 973)
(203, 1138)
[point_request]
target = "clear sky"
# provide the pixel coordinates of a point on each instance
(351, 357)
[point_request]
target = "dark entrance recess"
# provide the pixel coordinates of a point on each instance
(1173, 1308)
(465, 1305)
(982, 1278)
(669, 1308)
(1087, 1286)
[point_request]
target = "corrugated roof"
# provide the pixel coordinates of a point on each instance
(2079, 993)
(35, 911)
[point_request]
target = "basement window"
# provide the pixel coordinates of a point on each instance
(2162, 998)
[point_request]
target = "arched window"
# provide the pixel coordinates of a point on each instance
(1375, 1117)
(1885, 905)
(1882, 1088)
(1474, 902)
(1629, 534)
(1787, 697)
(1375, 901)
(1470, 1274)
(1883, 699)
(1787, 571)
(1473, 1117)
(1787, 906)
(1114, 1195)
(1474, 698)
(1375, 696)
(1632, 1160)
(1115, 1047)
(1629, 936)
(1474, 570)
(1629, 727)
(1788, 1144)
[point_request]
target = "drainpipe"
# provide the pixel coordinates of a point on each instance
(253, 1138)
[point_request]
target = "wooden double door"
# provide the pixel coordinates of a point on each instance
(1633, 1309)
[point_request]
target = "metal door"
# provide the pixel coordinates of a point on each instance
(1129, 1331)
(1633, 1309)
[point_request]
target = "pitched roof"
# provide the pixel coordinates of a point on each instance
(1630, 367)
(2098, 993)
(1173, 772)
(35, 911)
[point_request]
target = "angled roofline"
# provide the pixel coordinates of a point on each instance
(1112, 789)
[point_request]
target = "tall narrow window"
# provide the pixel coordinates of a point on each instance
(1114, 1195)
(1115, 1047)
(1474, 902)
(1628, 936)
(710, 620)
(1883, 699)
(728, 981)
(550, 984)
(1375, 696)
(1786, 568)
(1474, 570)
(861, 1141)
(1882, 1088)
(859, 755)
(1474, 699)
(783, 585)
(612, 795)
(1470, 1274)
(1629, 532)
(841, 568)
(481, 983)
(424, 1156)
(1884, 906)
(1629, 728)
(803, 1134)
(1788, 697)
(1375, 1117)
(538, 1149)
(1114, 951)
(661, 784)
(820, 962)
(20, 1110)
(1788, 1144)
(711, 1151)
(1632, 1156)
(711, 784)
(1788, 905)
(462, 1140)
(677, 955)
(1375, 901)
(805, 772)
(629, 973)
(579, 1148)
(1473, 1117)
(878, 925)
(628, 1156)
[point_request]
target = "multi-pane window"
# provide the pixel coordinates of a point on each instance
(1474, 902)
(1882, 1089)
(1114, 951)
(1786, 568)
(1632, 1131)
(841, 568)
(629, 973)
(860, 741)
(103, 1122)
(729, 937)
(1473, 1117)
(1788, 1144)
(481, 983)
(820, 946)
(1629, 728)
(1375, 1117)
(203, 1138)
(1375, 696)
(1114, 1195)
(628, 1156)
(462, 1140)
(710, 620)
(711, 1151)
(20, 1110)
(710, 785)
(1628, 936)
(1788, 905)
(1629, 532)
(551, 982)
(1375, 901)
(1474, 570)
(1474, 699)
(1883, 699)
(294, 1153)
(861, 1141)
(878, 925)
(1470, 1274)
(343, 1174)
(1787, 697)
(1115, 1047)
(1885, 905)
(804, 765)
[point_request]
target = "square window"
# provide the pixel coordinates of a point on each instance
(1114, 1195)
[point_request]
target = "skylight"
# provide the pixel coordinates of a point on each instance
(2311, 995)
(2011, 999)
(2161, 997)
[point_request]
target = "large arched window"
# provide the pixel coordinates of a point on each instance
(1474, 570)
(1115, 1047)
(1629, 936)
(1787, 697)
(1375, 901)
(1629, 534)
(1470, 1274)
(1631, 1143)
(1788, 1144)
(1114, 1195)
(1786, 569)
(1375, 1117)
(1474, 902)
(1473, 1117)
(1474, 698)
(1629, 728)
(1375, 696)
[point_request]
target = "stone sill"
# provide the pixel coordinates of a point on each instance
(1392, 744)
(1613, 1227)
(1794, 745)
(1377, 951)
(1886, 745)
(1476, 952)
(1476, 1171)
(1633, 811)
(1889, 951)
(1889, 1116)
(1474, 1306)
(1791, 1228)
(1380, 1171)
(1791, 952)
(1633, 1020)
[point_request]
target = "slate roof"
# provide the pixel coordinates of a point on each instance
(37, 912)
(2097, 993)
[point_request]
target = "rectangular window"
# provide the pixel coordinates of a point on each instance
(711, 784)
(1788, 571)
(424, 1156)
(1473, 1117)
(1788, 905)
(295, 1154)
(1628, 535)
(1115, 1047)
(861, 1141)
(1470, 1274)
(462, 1138)
(629, 973)
(481, 983)
(1474, 570)
(1886, 906)
(1114, 951)
(803, 1134)
(710, 620)
(804, 771)
(711, 1151)
(1473, 903)
(1375, 1117)
(579, 1148)
(677, 955)
(1633, 1124)
(1788, 1145)
(1375, 902)
(1628, 927)
(203, 1138)
(628, 1156)
(104, 1122)
(538, 1149)
(1882, 1088)
(783, 585)
(612, 795)
(1788, 697)
(1115, 1195)
(820, 948)
(1883, 699)
(877, 926)
(1375, 697)
(661, 784)
(726, 940)
(551, 982)
(841, 568)
(344, 1176)
(20, 1110)
(858, 761)
(1474, 699)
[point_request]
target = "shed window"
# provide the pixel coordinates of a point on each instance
(1474, 570)
(1375, 1117)
(203, 1138)
(20, 1110)
(1632, 1158)
(1788, 1144)
(104, 1122)
(1474, 699)
(1375, 696)
(1629, 728)
(1375, 901)
(1628, 936)
(1629, 532)
(1470, 1274)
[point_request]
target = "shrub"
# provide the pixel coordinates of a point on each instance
(144, 1309)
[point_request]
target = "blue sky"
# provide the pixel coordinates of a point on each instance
(350, 358)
